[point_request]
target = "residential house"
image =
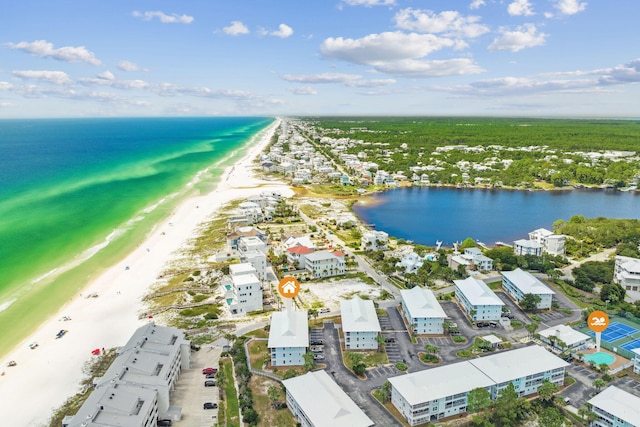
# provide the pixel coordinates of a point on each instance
(325, 264)
(374, 240)
(626, 273)
(471, 257)
(360, 324)
(292, 241)
(296, 255)
(410, 262)
(422, 311)
(258, 260)
(252, 243)
(247, 231)
(477, 301)
(245, 294)
(564, 337)
(416, 398)
(551, 243)
(614, 407)
(288, 338)
(518, 283)
(315, 400)
(527, 247)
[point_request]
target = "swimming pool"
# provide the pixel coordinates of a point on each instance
(600, 357)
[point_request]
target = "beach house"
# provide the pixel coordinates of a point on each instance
(471, 257)
(251, 243)
(626, 273)
(315, 400)
(551, 243)
(614, 407)
(288, 337)
(360, 324)
(374, 240)
(139, 380)
(422, 311)
(419, 402)
(518, 283)
(477, 301)
(324, 263)
(527, 247)
(296, 255)
(258, 261)
(245, 294)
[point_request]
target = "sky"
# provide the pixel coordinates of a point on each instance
(534, 58)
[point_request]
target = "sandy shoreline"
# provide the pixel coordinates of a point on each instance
(46, 376)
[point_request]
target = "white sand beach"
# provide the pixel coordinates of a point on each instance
(46, 376)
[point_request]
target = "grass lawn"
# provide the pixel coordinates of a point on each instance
(257, 351)
(232, 407)
(258, 333)
(262, 404)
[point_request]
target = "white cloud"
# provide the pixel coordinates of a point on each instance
(383, 47)
(5, 104)
(283, 32)
(435, 68)
(303, 90)
(107, 75)
(236, 28)
(449, 22)
(5, 85)
(523, 37)
(520, 8)
(369, 3)
(55, 77)
(321, 78)
(475, 4)
(45, 49)
(128, 66)
(570, 7)
(620, 74)
(371, 83)
(163, 17)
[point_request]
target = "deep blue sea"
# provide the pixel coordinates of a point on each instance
(76, 192)
(450, 215)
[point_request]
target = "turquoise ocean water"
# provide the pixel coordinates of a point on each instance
(76, 195)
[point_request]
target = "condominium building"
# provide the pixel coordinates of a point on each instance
(360, 324)
(416, 398)
(315, 400)
(519, 283)
(288, 338)
(135, 390)
(422, 311)
(527, 247)
(627, 273)
(324, 264)
(477, 300)
(614, 407)
(245, 294)
(258, 260)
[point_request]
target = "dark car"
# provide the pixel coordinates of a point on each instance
(317, 342)
(482, 324)
(61, 333)
(209, 405)
(165, 423)
(389, 339)
(210, 383)
(208, 371)
(211, 375)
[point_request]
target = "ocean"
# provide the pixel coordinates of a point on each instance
(77, 195)
(426, 215)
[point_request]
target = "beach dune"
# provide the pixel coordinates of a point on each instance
(107, 311)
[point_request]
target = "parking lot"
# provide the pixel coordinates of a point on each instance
(190, 394)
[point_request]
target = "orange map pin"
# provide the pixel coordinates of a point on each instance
(598, 321)
(289, 287)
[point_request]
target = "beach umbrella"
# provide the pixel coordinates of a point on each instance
(96, 352)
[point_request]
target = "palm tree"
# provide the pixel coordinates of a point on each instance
(599, 383)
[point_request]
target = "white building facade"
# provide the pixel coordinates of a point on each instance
(614, 407)
(627, 273)
(527, 247)
(422, 311)
(288, 338)
(518, 283)
(374, 240)
(360, 324)
(324, 264)
(478, 301)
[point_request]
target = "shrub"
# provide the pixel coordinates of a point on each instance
(401, 366)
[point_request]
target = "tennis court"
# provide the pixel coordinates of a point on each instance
(631, 345)
(616, 331)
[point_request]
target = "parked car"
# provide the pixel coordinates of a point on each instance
(389, 339)
(211, 375)
(208, 371)
(61, 333)
(210, 383)
(316, 349)
(209, 405)
(482, 324)
(164, 423)
(317, 342)
(318, 357)
(324, 310)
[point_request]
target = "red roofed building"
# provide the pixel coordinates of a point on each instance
(295, 255)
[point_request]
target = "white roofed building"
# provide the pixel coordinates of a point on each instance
(527, 247)
(288, 338)
(258, 260)
(614, 407)
(573, 340)
(477, 300)
(245, 295)
(627, 273)
(551, 243)
(518, 283)
(360, 324)
(251, 243)
(324, 263)
(315, 400)
(374, 240)
(419, 401)
(422, 311)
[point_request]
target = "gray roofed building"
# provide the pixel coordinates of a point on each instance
(477, 300)
(518, 283)
(316, 400)
(615, 407)
(359, 315)
(288, 337)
